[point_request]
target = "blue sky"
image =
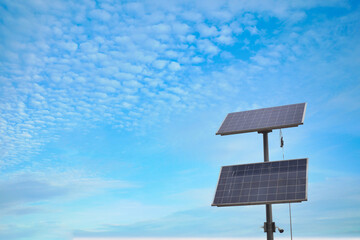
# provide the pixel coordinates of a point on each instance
(109, 111)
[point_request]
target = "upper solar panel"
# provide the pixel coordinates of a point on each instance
(263, 119)
(262, 183)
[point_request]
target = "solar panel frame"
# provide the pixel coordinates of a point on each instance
(275, 201)
(223, 130)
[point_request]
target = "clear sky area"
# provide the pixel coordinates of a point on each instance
(109, 109)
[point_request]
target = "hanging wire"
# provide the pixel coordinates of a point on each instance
(290, 221)
(282, 147)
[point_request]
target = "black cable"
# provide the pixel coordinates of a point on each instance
(282, 146)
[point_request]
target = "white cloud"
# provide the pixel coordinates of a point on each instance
(161, 28)
(160, 64)
(70, 46)
(281, 9)
(172, 54)
(208, 47)
(155, 44)
(225, 39)
(192, 16)
(108, 82)
(100, 14)
(190, 38)
(136, 8)
(88, 47)
(253, 30)
(197, 59)
(264, 61)
(115, 58)
(235, 27)
(207, 31)
(174, 66)
(24, 189)
(180, 28)
(131, 68)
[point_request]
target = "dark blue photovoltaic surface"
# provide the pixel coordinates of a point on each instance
(261, 183)
(263, 119)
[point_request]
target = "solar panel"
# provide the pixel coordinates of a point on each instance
(262, 183)
(263, 119)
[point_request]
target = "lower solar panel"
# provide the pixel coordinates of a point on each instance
(261, 183)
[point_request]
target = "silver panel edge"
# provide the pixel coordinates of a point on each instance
(303, 117)
(260, 203)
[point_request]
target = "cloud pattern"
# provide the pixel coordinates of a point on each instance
(67, 64)
(133, 64)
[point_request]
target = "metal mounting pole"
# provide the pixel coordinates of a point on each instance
(269, 225)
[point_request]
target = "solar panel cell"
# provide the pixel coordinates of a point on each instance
(261, 183)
